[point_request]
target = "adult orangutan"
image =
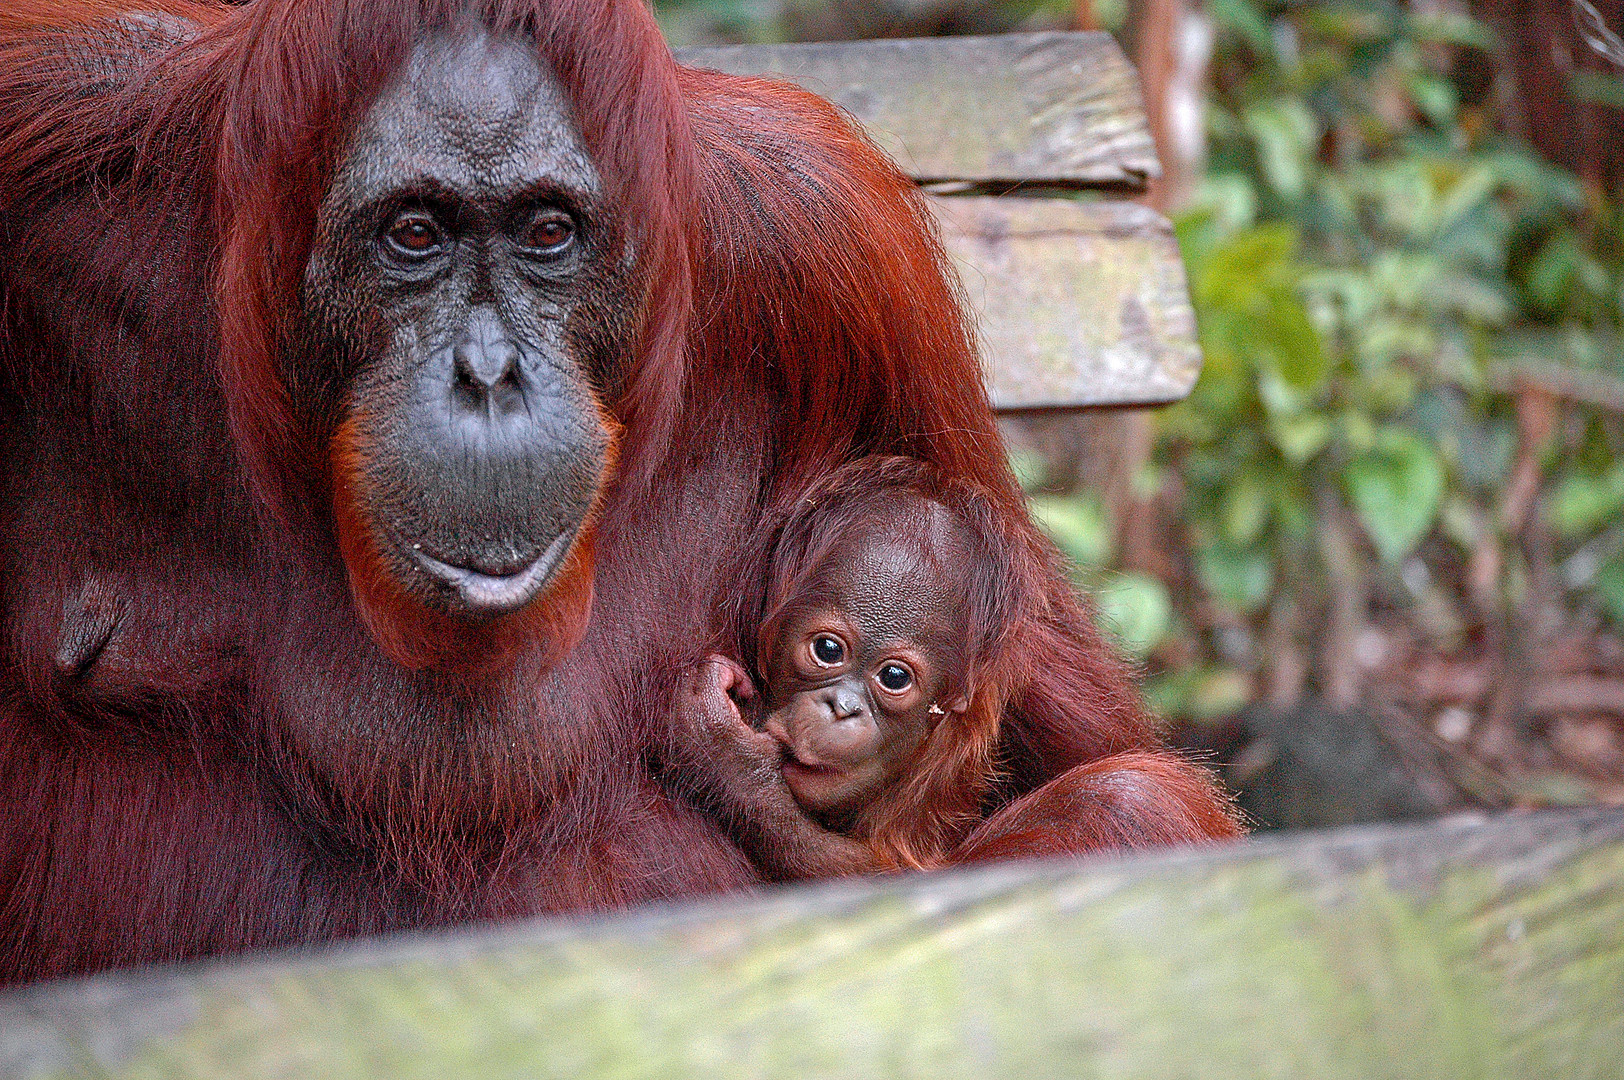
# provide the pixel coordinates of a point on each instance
(380, 387)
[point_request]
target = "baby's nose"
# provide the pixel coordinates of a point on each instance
(843, 701)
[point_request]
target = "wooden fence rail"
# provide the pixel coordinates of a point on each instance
(1470, 948)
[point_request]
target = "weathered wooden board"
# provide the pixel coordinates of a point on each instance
(1019, 108)
(1471, 948)
(1078, 303)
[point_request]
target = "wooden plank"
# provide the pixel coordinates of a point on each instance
(1481, 948)
(1055, 108)
(1079, 303)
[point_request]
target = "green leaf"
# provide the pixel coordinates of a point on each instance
(1290, 342)
(1449, 28)
(1224, 203)
(1470, 296)
(1581, 504)
(1285, 133)
(1201, 694)
(1299, 438)
(1219, 692)
(1468, 189)
(1358, 430)
(1239, 579)
(1396, 489)
(1551, 272)
(1247, 20)
(1293, 511)
(1135, 610)
(1233, 276)
(1078, 526)
(1167, 693)
(1435, 97)
(1245, 510)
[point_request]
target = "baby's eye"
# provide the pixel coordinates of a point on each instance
(827, 650)
(895, 677)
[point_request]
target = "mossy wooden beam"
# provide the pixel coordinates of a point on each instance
(1048, 108)
(1463, 949)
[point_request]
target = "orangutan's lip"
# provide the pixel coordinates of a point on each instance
(497, 593)
(795, 764)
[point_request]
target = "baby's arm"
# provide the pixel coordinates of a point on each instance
(738, 772)
(1135, 799)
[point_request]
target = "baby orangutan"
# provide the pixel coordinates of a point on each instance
(885, 647)
(870, 745)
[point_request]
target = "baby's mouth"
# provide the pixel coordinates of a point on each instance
(812, 768)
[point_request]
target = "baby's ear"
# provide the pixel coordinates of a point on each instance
(959, 705)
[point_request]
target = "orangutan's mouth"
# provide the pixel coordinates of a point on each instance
(795, 765)
(493, 590)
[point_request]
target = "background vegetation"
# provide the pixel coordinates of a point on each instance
(1397, 491)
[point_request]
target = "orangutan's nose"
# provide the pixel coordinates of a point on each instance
(485, 365)
(843, 701)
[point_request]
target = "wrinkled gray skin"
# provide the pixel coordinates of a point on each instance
(467, 292)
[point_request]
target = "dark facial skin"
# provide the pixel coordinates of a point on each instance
(470, 293)
(860, 674)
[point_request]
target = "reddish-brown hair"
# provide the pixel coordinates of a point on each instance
(306, 787)
(273, 87)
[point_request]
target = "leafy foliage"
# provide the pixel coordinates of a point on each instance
(1370, 261)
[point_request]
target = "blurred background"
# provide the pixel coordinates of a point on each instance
(1374, 566)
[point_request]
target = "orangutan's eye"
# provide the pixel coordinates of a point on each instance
(827, 650)
(414, 235)
(895, 678)
(550, 232)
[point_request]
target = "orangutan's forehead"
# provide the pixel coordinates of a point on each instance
(891, 585)
(475, 115)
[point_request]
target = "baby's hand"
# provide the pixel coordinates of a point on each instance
(712, 728)
(718, 677)
(737, 772)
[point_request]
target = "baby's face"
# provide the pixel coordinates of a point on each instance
(860, 674)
